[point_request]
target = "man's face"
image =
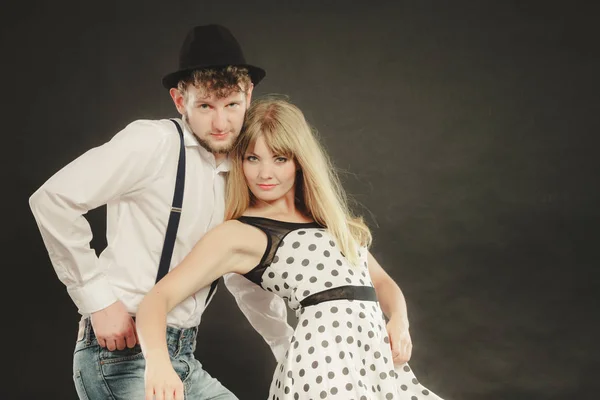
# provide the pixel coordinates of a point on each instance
(216, 122)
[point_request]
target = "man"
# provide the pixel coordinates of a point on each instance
(163, 184)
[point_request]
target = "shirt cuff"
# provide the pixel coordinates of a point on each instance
(93, 297)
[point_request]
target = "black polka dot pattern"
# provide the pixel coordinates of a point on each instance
(340, 349)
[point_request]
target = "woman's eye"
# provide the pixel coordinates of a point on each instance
(281, 159)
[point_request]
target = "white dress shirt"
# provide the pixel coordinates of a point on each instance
(134, 175)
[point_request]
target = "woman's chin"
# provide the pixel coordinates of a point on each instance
(265, 197)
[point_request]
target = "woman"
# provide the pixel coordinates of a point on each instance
(289, 230)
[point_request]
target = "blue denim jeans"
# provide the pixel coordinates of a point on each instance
(100, 374)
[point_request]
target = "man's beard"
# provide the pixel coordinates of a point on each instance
(206, 144)
(221, 150)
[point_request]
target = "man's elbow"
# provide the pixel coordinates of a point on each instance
(43, 199)
(37, 199)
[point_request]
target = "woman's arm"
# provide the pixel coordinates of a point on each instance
(229, 247)
(389, 294)
(393, 306)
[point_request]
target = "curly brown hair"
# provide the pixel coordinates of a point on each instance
(220, 82)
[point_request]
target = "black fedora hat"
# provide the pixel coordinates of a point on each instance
(210, 46)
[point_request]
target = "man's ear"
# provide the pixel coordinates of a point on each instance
(178, 100)
(249, 93)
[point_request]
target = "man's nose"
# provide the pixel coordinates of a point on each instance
(219, 122)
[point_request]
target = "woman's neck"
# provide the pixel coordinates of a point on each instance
(289, 213)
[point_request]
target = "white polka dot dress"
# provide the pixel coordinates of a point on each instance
(340, 348)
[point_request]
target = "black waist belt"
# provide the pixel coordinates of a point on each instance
(365, 293)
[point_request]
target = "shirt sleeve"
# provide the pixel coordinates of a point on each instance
(117, 168)
(266, 312)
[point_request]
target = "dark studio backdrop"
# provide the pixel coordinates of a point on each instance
(466, 131)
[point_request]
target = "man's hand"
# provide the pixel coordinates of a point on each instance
(114, 328)
(399, 341)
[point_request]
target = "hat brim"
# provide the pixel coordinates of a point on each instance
(171, 80)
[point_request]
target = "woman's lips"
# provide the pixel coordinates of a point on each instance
(266, 187)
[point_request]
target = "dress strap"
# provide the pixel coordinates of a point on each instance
(275, 231)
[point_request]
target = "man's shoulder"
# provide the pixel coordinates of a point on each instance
(152, 127)
(149, 131)
(159, 124)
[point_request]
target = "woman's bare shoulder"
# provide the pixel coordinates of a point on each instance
(239, 236)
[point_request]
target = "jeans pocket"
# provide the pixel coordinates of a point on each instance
(118, 356)
(79, 386)
(181, 367)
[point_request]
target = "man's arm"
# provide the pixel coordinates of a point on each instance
(101, 174)
(266, 312)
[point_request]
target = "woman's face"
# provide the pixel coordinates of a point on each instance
(269, 176)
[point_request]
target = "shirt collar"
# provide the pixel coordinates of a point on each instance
(190, 140)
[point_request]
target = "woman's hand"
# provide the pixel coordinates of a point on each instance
(400, 340)
(162, 382)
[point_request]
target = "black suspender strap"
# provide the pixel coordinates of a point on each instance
(175, 216)
(212, 291)
(173, 224)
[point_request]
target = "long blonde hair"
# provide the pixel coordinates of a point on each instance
(319, 192)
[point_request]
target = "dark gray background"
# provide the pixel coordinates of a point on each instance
(465, 131)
